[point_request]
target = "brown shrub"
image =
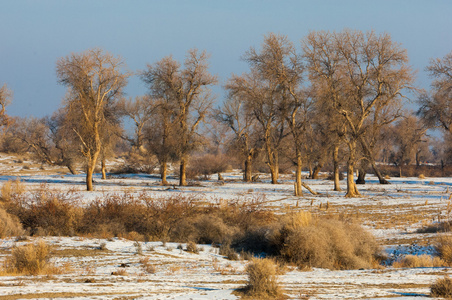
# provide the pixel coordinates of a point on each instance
(10, 189)
(444, 248)
(192, 247)
(47, 212)
(211, 229)
(147, 266)
(326, 243)
(442, 288)
(30, 259)
(9, 225)
(262, 280)
(206, 165)
(419, 261)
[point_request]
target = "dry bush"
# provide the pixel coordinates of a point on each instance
(192, 247)
(147, 266)
(326, 243)
(30, 259)
(9, 225)
(47, 212)
(442, 288)
(419, 261)
(445, 226)
(206, 165)
(10, 189)
(136, 163)
(211, 229)
(119, 272)
(444, 248)
(262, 280)
(229, 252)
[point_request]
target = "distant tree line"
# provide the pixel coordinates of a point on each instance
(336, 101)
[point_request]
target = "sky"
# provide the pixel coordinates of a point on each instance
(35, 34)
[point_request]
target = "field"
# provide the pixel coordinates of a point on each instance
(124, 268)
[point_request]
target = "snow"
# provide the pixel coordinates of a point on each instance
(392, 213)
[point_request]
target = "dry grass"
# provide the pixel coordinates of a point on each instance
(9, 225)
(442, 288)
(419, 261)
(262, 280)
(192, 247)
(147, 266)
(325, 243)
(119, 272)
(30, 259)
(444, 248)
(11, 188)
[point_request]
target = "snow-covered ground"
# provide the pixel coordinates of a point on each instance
(391, 212)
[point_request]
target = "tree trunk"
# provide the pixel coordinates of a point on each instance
(315, 172)
(247, 175)
(361, 176)
(368, 153)
(352, 190)
(298, 191)
(274, 169)
(336, 177)
(183, 176)
(163, 172)
(104, 169)
(89, 176)
(71, 168)
(377, 172)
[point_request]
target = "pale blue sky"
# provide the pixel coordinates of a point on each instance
(34, 34)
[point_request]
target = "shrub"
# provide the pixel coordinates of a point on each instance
(227, 251)
(262, 280)
(49, 212)
(30, 259)
(206, 165)
(147, 266)
(211, 229)
(444, 248)
(326, 243)
(9, 225)
(419, 261)
(442, 288)
(192, 247)
(11, 188)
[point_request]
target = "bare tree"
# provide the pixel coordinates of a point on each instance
(187, 92)
(64, 140)
(234, 115)
(436, 107)
(408, 136)
(95, 80)
(140, 111)
(360, 72)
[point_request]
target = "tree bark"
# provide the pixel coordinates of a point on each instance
(336, 174)
(298, 191)
(71, 168)
(89, 176)
(104, 169)
(361, 176)
(371, 159)
(352, 190)
(183, 176)
(274, 169)
(163, 172)
(247, 175)
(315, 172)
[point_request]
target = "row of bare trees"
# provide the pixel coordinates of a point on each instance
(338, 97)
